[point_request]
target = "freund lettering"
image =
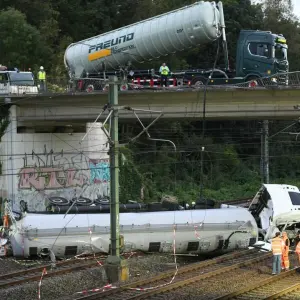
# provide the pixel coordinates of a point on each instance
(111, 43)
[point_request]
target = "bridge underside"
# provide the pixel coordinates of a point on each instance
(231, 104)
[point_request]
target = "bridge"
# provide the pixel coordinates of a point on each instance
(221, 103)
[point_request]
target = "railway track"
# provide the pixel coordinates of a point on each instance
(290, 293)
(34, 274)
(286, 285)
(185, 276)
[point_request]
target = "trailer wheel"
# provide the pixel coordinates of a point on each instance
(102, 200)
(199, 81)
(124, 87)
(254, 81)
(45, 252)
(59, 201)
(83, 201)
(90, 88)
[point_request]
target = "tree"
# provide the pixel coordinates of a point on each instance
(21, 43)
(279, 18)
(276, 10)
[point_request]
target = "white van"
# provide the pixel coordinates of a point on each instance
(15, 83)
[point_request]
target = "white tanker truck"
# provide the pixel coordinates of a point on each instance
(259, 53)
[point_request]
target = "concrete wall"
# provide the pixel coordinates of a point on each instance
(53, 168)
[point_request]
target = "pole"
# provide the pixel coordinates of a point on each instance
(225, 48)
(116, 269)
(201, 179)
(266, 151)
(114, 169)
(262, 153)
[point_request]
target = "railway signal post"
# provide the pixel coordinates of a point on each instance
(116, 268)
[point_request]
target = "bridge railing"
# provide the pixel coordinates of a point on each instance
(63, 85)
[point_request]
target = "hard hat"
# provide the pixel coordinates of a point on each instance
(41, 68)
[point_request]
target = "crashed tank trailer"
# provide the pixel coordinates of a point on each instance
(274, 208)
(218, 230)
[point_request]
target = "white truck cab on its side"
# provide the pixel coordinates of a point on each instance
(15, 83)
(276, 207)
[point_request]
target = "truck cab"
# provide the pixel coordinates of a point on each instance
(15, 83)
(260, 54)
(276, 207)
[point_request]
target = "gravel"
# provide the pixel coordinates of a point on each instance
(65, 287)
(8, 265)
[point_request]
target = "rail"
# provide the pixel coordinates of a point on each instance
(291, 292)
(270, 288)
(34, 274)
(185, 276)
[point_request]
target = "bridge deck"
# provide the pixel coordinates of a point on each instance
(220, 104)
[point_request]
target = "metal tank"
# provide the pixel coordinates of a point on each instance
(178, 30)
(220, 230)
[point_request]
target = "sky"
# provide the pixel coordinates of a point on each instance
(296, 4)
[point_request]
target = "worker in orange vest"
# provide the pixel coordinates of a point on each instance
(5, 221)
(277, 249)
(285, 263)
(297, 244)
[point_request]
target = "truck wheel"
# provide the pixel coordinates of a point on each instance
(199, 81)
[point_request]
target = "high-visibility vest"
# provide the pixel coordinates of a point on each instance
(6, 221)
(286, 244)
(42, 75)
(164, 70)
(298, 248)
(277, 245)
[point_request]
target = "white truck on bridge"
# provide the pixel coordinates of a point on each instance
(16, 83)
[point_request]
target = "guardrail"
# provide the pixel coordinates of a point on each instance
(289, 80)
(63, 85)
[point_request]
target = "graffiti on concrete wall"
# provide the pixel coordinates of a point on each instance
(61, 179)
(99, 171)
